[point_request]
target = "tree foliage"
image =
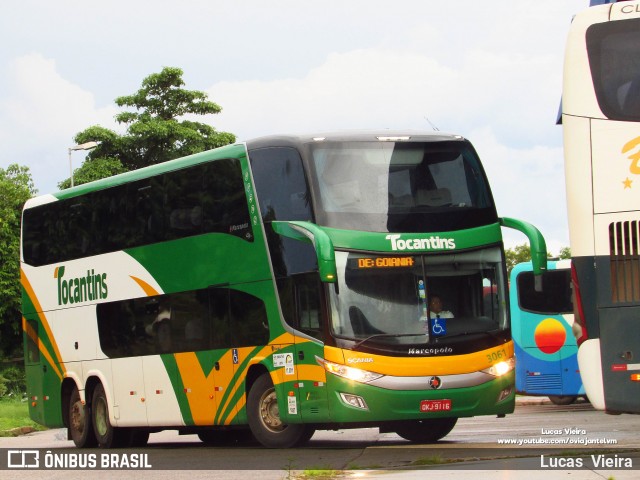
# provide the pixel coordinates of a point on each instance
(94, 170)
(157, 129)
(565, 253)
(516, 255)
(522, 253)
(16, 187)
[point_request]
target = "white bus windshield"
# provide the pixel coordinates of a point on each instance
(615, 67)
(396, 186)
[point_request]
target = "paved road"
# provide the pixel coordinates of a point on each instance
(475, 443)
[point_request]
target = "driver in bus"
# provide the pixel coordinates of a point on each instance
(435, 308)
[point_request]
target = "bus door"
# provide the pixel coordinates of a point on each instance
(301, 300)
(43, 378)
(310, 321)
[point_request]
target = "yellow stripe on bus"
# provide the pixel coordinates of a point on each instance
(240, 378)
(43, 319)
(148, 289)
(31, 333)
(200, 388)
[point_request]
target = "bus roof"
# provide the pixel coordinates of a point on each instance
(354, 136)
(238, 149)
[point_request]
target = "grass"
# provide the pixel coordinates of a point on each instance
(320, 474)
(433, 460)
(14, 414)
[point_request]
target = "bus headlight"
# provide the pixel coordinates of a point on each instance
(350, 373)
(502, 368)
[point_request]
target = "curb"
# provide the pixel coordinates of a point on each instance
(16, 432)
(530, 400)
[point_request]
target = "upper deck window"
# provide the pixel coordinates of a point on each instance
(200, 199)
(400, 186)
(614, 58)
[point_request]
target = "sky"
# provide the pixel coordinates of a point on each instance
(490, 71)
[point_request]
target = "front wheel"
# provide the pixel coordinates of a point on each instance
(264, 418)
(426, 431)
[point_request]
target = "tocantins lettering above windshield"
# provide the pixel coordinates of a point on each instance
(432, 243)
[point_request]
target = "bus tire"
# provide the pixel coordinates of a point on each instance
(106, 434)
(80, 424)
(426, 431)
(264, 418)
(562, 399)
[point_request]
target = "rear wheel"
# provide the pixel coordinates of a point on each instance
(264, 418)
(80, 426)
(426, 431)
(107, 435)
(562, 399)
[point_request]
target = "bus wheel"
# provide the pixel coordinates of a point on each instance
(107, 435)
(562, 399)
(426, 431)
(264, 418)
(80, 426)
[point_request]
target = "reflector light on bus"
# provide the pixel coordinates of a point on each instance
(394, 139)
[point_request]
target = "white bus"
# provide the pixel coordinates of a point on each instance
(600, 115)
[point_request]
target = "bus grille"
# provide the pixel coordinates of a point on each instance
(624, 250)
(543, 382)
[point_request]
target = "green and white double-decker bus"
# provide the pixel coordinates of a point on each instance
(273, 287)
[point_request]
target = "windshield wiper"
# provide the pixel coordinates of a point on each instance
(387, 335)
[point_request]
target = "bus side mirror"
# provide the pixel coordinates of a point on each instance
(310, 232)
(538, 247)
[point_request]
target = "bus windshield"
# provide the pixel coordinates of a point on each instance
(392, 300)
(400, 187)
(615, 67)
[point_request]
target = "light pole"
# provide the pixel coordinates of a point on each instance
(82, 146)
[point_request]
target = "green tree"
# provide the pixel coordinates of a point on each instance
(16, 187)
(157, 129)
(94, 170)
(565, 253)
(522, 253)
(517, 254)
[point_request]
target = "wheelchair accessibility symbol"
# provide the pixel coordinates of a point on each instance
(438, 327)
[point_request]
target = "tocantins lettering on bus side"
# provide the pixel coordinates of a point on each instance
(431, 243)
(91, 287)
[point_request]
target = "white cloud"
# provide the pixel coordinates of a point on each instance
(47, 105)
(396, 89)
(42, 112)
(528, 184)
(358, 89)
